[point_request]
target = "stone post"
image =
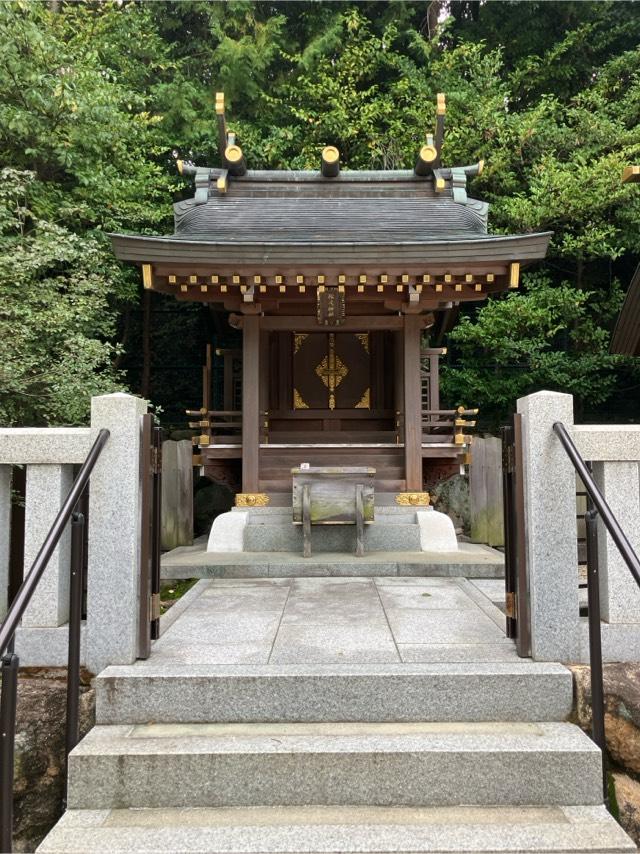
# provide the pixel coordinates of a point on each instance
(47, 488)
(114, 534)
(619, 594)
(550, 526)
(5, 535)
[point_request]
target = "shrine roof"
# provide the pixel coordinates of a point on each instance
(282, 216)
(276, 217)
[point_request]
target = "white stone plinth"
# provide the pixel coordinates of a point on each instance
(47, 487)
(619, 593)
(5, 534)
(437, 533)
(227, 532)
(550, 529)
(113, 577)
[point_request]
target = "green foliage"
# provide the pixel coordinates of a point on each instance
(54, 320)
(98, 99)
(549, 337)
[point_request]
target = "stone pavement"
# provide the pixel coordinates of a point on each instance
(331, 620)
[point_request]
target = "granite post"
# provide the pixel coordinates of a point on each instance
(47, 488)
(114, 534)
(550, 528)
(5, 535)
(619, 593)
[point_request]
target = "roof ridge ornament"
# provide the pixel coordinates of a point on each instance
(430, 155)
(330, 165)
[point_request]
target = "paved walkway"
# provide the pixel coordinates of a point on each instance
(331, 620)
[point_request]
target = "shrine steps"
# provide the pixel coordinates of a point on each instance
(510, 689)
(161, 765)
(389, 532)
(470, 561)
(324, 756)
(339, 830)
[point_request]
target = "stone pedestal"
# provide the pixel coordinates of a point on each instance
(47, 488)
(227, 532)
(437, 533)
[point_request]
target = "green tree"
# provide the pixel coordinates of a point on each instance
(55, 323)
(99, 99)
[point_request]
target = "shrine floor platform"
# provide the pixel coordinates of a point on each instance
(335, 620)
(470, 561)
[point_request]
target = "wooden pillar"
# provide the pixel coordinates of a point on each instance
(264, 385)
(434, 381)
(412, 403)
(250, 402)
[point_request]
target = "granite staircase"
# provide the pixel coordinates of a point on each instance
(442, 757)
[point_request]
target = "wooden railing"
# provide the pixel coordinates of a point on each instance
(221, 426)
(442, 426)
(447, 425)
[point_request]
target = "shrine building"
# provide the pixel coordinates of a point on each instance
(338, 280)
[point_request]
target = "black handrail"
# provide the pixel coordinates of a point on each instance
(597, 504)
(10, 661)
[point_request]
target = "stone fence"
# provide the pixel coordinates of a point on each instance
(558, 631)
(110, 635)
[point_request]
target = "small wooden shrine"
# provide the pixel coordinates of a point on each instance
(335, 278)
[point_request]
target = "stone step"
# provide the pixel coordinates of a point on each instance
(404, 516)
(383, 512)
(479, 563)
(177, 693)
(378, 537)
(346, 764)
(329, 830)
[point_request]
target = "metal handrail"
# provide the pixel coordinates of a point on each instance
(9, 659)
(597, 504)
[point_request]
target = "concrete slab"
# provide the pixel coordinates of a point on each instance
(442, 626)
(324, 642)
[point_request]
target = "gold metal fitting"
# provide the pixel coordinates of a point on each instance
(413, 499)
(252, 499)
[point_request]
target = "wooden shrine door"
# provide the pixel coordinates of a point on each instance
(331, 370)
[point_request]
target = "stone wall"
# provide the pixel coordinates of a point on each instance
(39, 759)
(622, 727)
